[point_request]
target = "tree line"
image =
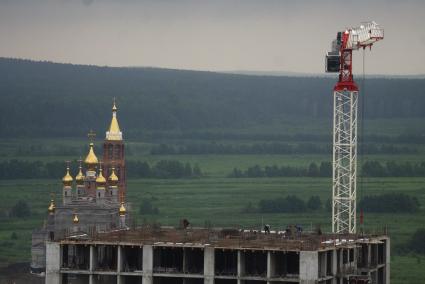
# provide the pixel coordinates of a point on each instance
(287, 204)
(163, 169)
(19, 169)
(390, 202)
(230, 134)
(162, 99)
(385, 203)
(324, 169)
(271, 148)
(393, 169)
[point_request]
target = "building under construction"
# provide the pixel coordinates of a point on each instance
(155, 255)
(89, 252)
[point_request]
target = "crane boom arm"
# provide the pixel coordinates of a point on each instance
(352, 39)
(364, 35)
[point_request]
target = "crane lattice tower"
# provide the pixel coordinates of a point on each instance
(345, 100)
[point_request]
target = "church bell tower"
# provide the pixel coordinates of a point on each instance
(113, 153)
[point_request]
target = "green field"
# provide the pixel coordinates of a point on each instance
(214, 198)
(218, 201)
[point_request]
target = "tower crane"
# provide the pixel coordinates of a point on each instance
(345, 101)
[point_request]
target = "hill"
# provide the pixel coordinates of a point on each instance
(44, 99)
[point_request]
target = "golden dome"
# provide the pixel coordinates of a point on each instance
(114, 132)
(67, 179)
(75, 220)
(113, 179)
(52, 207)
(100, 180)
(80, 177)
(122, 209)
(91, 159)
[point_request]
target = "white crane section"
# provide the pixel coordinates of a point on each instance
(365, 35)
(344, 165)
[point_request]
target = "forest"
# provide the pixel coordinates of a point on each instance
(44, 99)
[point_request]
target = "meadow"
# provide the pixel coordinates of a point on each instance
(214, 199)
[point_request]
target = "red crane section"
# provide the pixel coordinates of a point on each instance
(340, 59)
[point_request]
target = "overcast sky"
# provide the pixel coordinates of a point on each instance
(218, 35)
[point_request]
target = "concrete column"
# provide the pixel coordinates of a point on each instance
(120, 279)
(184, 266)
(309, 267)
(120, 259)
(369, 255)
(334, 265)
(270, 264)
(374, 276)
(387, 258)
(341, 259)
(53, 263)
(92, 264)
(147, 264)
(376, 249)
(209, 260)
(93, 258)
(322, 263)
(355, 257)
(241, 265)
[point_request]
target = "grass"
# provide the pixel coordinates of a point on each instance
(218, 201)
(215, 199)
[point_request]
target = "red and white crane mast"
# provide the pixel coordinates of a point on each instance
(344, 165)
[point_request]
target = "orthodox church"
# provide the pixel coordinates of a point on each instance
(93, 201)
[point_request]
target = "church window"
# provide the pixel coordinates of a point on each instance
(117, 152)
(110, 151)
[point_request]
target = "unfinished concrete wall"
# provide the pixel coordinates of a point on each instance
(53, 263)
(309, 267)
(38, 251)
